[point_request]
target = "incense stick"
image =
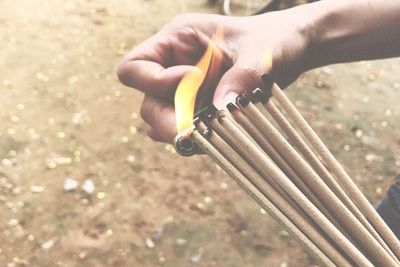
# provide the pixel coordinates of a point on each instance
(346, 182)
(262, 200)
(330, 200)
(321, 170)
(276, 157)
(268, 169)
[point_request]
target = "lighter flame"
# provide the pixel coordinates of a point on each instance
(267, 60)
(185, 95)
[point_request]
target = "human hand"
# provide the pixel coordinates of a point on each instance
(157, 65)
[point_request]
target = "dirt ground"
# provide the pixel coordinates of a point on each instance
(64, 115)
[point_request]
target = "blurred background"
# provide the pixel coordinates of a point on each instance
(82, 185)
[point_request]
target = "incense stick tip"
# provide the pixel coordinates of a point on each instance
(267, 80)
(242, 100)
(259, 95)
(231, 107)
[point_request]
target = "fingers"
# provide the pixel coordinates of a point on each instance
(156, 66)
(152, 78)
(161, 118)
(239, 79)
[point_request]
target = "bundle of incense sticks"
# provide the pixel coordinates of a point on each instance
(291, 174)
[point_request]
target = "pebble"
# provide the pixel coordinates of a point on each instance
(70, 184)
(88, 186)
(49, 244)
(37, 189)
(181, 241)
(149, 243)
(197, 257)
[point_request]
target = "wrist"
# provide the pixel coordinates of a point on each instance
(313, 19)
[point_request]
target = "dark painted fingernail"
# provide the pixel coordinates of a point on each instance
(268, 82)
(259, 95)
(242, 100)
(231, 107)
(208, 113)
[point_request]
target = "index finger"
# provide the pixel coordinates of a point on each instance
(151, 77)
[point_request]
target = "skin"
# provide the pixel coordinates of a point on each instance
(301, 38)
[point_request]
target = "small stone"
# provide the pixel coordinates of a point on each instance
(20, 106)
(7, 162)
(12, 222)
(197, 257)
(224, 185)
(133, 130)
(131, 158)
(88, 186)
(61, 135)
(49, 244)
(181, 241)
(37, 189)
(373, 157)
(109, 232)
(70, 184)
(208, 200)
(149, 243)
(14, 119)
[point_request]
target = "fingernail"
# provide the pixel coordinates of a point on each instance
(230, 97)
(231, 107)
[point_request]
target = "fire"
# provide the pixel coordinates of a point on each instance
(186, 92)
(267, 60)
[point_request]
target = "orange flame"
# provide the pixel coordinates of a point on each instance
(267, 60)
(186, 92)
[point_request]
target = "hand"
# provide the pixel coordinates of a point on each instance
(157, 65)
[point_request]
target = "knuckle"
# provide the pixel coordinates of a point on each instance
(153, 134)
(145, 112)
(123, 73)
(251, 72)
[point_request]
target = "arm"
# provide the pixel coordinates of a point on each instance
(344, 31)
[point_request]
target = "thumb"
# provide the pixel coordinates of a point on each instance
(238, 79)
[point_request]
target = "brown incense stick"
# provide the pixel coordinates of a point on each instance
(233, 143)
(268, 169)
(346, 182)
(321, 170)
(286, 208)
(276, 157)
(330, 200)
(261, 199)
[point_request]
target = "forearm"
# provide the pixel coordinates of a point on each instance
(344, 31)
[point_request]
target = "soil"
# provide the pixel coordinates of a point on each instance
(64, 115)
